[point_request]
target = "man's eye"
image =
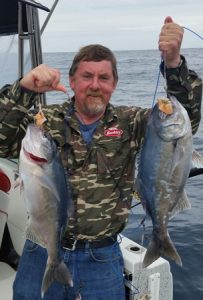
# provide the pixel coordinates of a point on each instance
(86, 76)
(104, 78)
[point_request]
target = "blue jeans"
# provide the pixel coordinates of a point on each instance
(97, 274)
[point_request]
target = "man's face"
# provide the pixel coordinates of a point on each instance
(93, 84)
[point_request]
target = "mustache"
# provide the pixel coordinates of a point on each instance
(94, 94)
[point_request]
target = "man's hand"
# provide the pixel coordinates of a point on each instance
(170, 40)
(43, 79)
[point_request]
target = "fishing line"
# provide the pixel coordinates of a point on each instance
(156, 88)
(201, 37)
(159, 73)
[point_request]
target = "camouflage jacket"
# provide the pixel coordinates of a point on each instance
(102, 173)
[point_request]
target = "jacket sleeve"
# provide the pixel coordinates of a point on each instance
(15, 103)
(186, 86)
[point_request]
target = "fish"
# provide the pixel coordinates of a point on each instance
(45, 190)
(164, 165)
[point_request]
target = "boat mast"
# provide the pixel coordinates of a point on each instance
(33, 34)
(49, 16)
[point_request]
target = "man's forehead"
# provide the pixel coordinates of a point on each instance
(103, 66)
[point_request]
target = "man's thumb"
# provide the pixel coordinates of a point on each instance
(60, 87)
(168, 20)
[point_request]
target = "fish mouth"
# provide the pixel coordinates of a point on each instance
(35, 158)
(169, 125)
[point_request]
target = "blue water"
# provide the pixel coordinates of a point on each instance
(138, 71)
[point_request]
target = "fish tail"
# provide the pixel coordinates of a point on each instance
(161, 248)
(170, 251)
(57, 272)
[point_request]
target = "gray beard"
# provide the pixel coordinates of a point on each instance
(94, 109)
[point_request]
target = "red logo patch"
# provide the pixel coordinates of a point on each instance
(113, 131)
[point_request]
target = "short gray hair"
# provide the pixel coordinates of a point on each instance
(94, 52)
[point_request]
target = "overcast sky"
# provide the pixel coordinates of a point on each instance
(118, 24)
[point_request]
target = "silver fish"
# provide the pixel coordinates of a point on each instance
(164, 166)
(47, 197)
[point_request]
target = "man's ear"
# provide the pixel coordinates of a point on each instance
(115, 85)
(72, 82)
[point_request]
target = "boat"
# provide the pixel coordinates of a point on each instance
(154, 282)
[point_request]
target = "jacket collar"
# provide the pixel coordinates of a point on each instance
(68, 109)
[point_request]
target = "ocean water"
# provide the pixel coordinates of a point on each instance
(138, 74)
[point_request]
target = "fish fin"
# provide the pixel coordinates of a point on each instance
(57, 272)
(18, 182)
(197, 164)
(170, 251)
(152, 254)
(197, 159)
(161, 248)
(182, 205)
(78, 297)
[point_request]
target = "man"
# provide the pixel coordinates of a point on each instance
(98, 144)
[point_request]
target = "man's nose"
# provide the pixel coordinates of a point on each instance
(95, 83)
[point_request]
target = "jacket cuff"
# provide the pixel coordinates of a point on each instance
(22, 95)
(174, 75)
